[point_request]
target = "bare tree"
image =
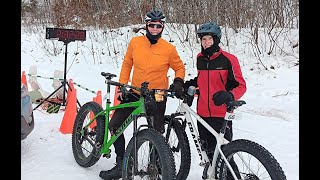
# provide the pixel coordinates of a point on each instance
(262, 18)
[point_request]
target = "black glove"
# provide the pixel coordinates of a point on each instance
(125, 95)
(191, 82)
(222, 97)
(177, 87)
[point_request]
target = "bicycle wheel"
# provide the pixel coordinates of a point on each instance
(161, 166)
(177, 139)
(86, 140)
(252, 160)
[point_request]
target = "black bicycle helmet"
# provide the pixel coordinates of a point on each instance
(155, 15)
(209, 28)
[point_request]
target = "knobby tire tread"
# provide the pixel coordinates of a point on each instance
(184, 144)
(165, 154)
(95, 154)
(259, 152)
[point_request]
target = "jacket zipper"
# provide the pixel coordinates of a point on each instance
(221, 78)
(208, 95)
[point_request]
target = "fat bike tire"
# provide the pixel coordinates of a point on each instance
(252, 159)
(86, 141)
(179, 144)
(164, 168)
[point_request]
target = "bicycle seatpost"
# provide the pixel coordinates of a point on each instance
(108, 77)
(226, 119)
(229, 116)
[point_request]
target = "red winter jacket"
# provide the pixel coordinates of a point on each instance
(220, 72)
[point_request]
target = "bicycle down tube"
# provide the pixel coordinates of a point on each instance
(184, 108)
(138, 111)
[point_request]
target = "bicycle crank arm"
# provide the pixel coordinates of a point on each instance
(97, 146)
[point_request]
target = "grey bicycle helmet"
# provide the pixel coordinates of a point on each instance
(155, 15)
(209, 28)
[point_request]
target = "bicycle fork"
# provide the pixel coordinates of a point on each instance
(135, 135)
(135, 145)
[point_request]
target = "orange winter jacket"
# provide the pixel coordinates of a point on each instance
(150, 63)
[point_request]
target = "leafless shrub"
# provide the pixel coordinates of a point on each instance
(274, 16)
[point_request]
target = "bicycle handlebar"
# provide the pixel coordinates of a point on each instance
(189, 94)
(143, 90)
(168, 93)
(109, 76)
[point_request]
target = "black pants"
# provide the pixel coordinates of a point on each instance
(120, 115)
(209, 141)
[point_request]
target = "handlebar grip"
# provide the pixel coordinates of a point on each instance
(192, 91)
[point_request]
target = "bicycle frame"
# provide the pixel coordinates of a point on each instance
(187, 112)
(147, 146)
(138, 111)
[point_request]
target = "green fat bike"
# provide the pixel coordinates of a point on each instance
(147, 155)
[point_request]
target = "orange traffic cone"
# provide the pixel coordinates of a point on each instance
(70, 88)
(94, 123)
(24, 79)
(70, 113)
(97, 99)
(115, 100)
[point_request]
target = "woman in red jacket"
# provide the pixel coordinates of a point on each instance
(219, 80)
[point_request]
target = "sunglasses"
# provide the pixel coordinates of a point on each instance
(158, 26)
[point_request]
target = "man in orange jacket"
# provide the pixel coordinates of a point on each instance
(150, 56)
